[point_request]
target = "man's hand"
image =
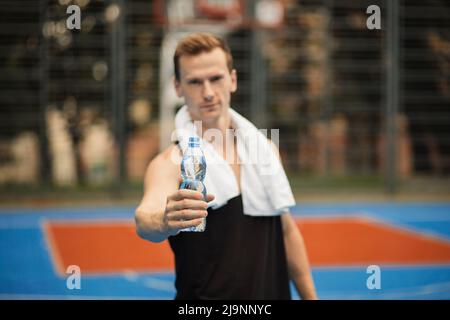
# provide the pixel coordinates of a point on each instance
(184, 208)
(164, 209)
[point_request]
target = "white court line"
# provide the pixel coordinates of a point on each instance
(150, 282)
(52, 250)
(159, 284)
(367, 217)
(396, 225)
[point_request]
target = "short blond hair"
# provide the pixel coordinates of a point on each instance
(197, 43)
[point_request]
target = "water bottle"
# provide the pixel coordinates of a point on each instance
(193, 171)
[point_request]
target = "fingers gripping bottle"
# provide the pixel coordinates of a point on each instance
(193, 171)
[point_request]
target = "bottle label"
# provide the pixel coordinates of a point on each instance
(199, 186)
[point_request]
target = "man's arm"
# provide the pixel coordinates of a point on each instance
(297, 258)
(160, 180)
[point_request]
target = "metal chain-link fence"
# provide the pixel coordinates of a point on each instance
(355, 106)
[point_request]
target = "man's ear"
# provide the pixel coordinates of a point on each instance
(233, 80)
(176, 84)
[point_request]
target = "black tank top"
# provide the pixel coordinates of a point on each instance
(237, 257)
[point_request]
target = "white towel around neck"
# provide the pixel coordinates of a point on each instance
(264, 186)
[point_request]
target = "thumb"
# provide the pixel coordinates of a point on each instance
(209, 197)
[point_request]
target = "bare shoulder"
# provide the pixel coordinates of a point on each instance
(172, 152)
(161, 178)
(166, 162)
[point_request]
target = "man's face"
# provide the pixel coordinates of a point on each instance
(206, 84)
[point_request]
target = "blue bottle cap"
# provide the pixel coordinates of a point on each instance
(194, 142)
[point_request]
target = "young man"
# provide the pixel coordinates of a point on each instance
(241, 254)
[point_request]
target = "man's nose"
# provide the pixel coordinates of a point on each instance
(208, 94)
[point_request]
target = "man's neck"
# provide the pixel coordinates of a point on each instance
(222, 124)
(226, 144)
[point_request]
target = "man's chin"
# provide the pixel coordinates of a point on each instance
(211, 117)
(210, 112)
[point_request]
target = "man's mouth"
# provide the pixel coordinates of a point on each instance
(208, 106)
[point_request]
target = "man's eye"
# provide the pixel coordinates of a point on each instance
(216, 78)
(195, 82)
